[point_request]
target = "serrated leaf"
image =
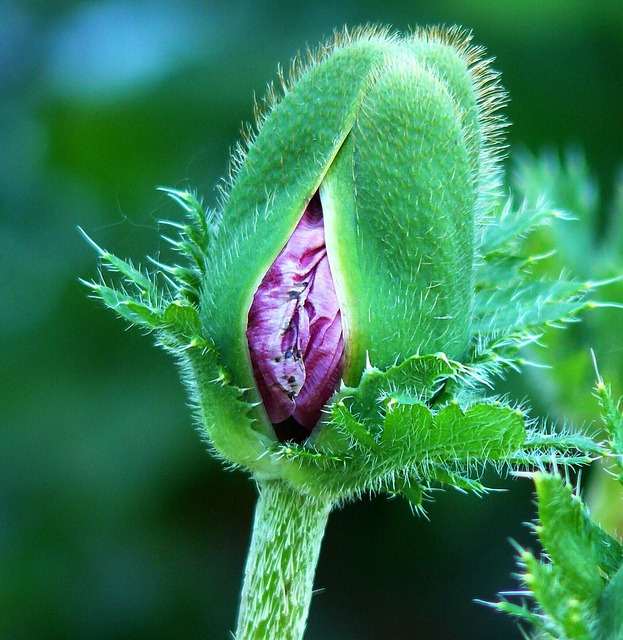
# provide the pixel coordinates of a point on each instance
(199, 240)
(191, 250)
(564, 442)
(612, 416)
(189, 277)
(355, 430)
(151, 317)
(608, 551)
(498, 272)
(512, 226)
(456, 480)
(409, 489)
(226, 415)
(418, 376)
(128, 307)
(403, 422)
(557, 600)
(482, 432)
(523, 613)
(183, 320)
(189, 202)
(130, 273)
(566, 532)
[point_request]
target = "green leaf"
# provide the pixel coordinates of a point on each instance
(608, 551)
(410, 489)
(525, 306)
(498, 272)
(567, 534)
(183, 321)
(523, 613)
(133, 275)
(557, 600)
(482, 432)
(456, 480)
(193, 207)
(418, 376)
(610, 617)
(128, 307)
(567, 446)
(150, 317)
(506, 232)
(406, 422)
(226, 416)
(611, 415)
(345, 421)
(130, 273)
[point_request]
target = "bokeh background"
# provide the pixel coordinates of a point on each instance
(114, 522)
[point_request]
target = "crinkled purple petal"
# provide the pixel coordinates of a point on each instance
(295, 328)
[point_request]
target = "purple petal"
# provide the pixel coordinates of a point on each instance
(295, 329)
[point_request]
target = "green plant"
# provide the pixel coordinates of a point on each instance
(577, 584)
(340, 318)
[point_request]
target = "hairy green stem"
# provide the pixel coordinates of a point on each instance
(279, 574)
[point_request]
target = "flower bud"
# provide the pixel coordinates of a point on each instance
(349, 227)
(332, 321)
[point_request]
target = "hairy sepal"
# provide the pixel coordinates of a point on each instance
(409, 120)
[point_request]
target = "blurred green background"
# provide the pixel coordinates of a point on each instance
(114, 522)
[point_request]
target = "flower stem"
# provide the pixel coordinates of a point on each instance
(279, 574)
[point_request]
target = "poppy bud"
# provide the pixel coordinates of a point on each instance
(349, 228)
(342, 258)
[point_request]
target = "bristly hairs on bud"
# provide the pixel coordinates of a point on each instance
(490, 95)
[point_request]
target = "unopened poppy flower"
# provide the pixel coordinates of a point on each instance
(335, 319)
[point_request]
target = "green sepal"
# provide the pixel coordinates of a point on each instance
(282, 168)
(225, 414)
(432, 97)
(392, 222)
